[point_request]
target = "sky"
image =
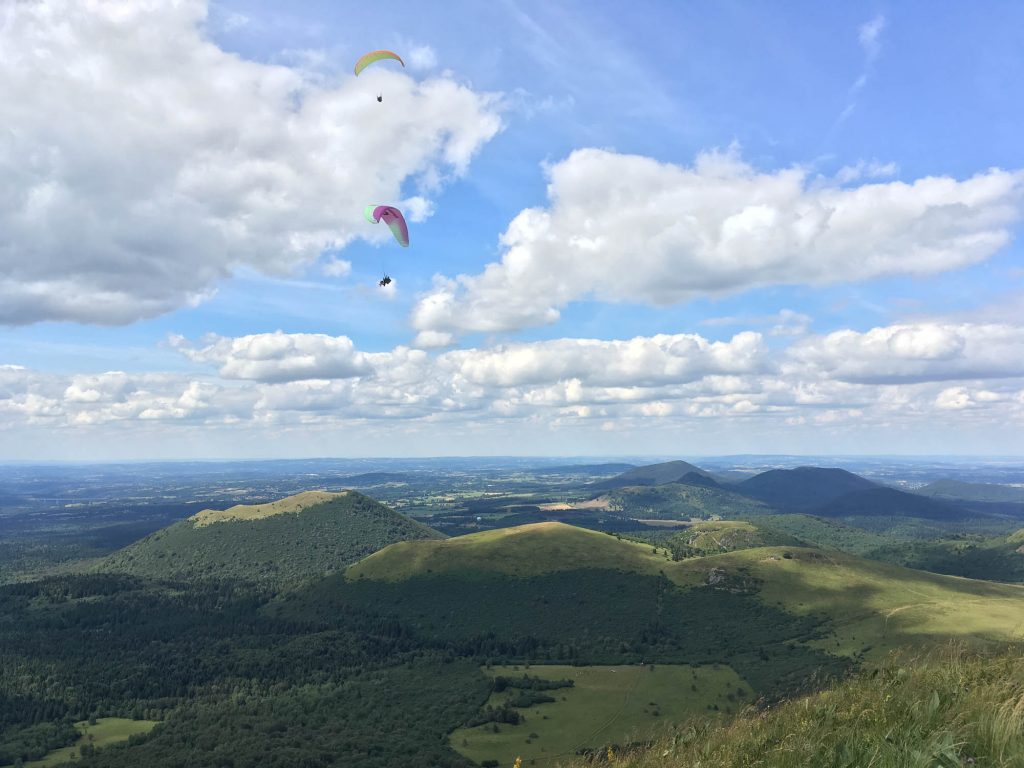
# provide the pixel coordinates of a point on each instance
(689, 229)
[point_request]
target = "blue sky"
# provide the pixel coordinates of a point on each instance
(904, 331)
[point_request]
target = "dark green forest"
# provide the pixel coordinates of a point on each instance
(359, 673)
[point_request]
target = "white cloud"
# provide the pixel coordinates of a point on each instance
(336, 267)
(280, 356)
(905, 379)
(642, 361)
(628, 228)
(140, 164)
(954, 398)
(433, 340)
(117, 397)
(915, 352)
(868, 35)
(421, 58)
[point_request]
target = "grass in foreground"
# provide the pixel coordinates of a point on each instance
(106, 731)
(606, 704)
(950, 707)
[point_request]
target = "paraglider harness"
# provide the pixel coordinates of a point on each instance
(385, 281)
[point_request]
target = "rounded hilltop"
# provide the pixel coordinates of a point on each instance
(524, 550)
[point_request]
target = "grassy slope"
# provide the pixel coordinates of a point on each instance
(949, 708)
(295, 503)
(301, 540)
(871, 604)
(606, 705)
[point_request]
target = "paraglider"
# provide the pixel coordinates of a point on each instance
(373, 56)
(393, 218)
(384, 282)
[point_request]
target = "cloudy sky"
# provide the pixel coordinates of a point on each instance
(692, 229)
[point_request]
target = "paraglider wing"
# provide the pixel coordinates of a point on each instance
(393, 218)
(372, 56)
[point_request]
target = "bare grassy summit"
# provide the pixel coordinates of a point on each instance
(291, 504)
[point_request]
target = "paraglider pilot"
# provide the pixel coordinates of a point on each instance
(385, 281)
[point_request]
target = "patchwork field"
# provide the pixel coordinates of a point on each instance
(606, 705)
(107, 731)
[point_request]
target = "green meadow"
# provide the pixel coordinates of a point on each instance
(106, 731)
(606, 705)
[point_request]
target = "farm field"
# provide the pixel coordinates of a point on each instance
(606, 705)
(107, 731)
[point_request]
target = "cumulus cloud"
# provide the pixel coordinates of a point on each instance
(95, 399)
(901, 377)
(915, 352)
(628, 228)
(642, 361)
(280, 356)
(140, 163)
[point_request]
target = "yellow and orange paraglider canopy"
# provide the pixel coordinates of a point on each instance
(373, 56)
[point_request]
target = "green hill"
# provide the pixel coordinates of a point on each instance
(802, 488)
(652, 474)
(522, 551)
(865, 603)
(678, 501)
(556, 593)
(949, 707)
(286, 541)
